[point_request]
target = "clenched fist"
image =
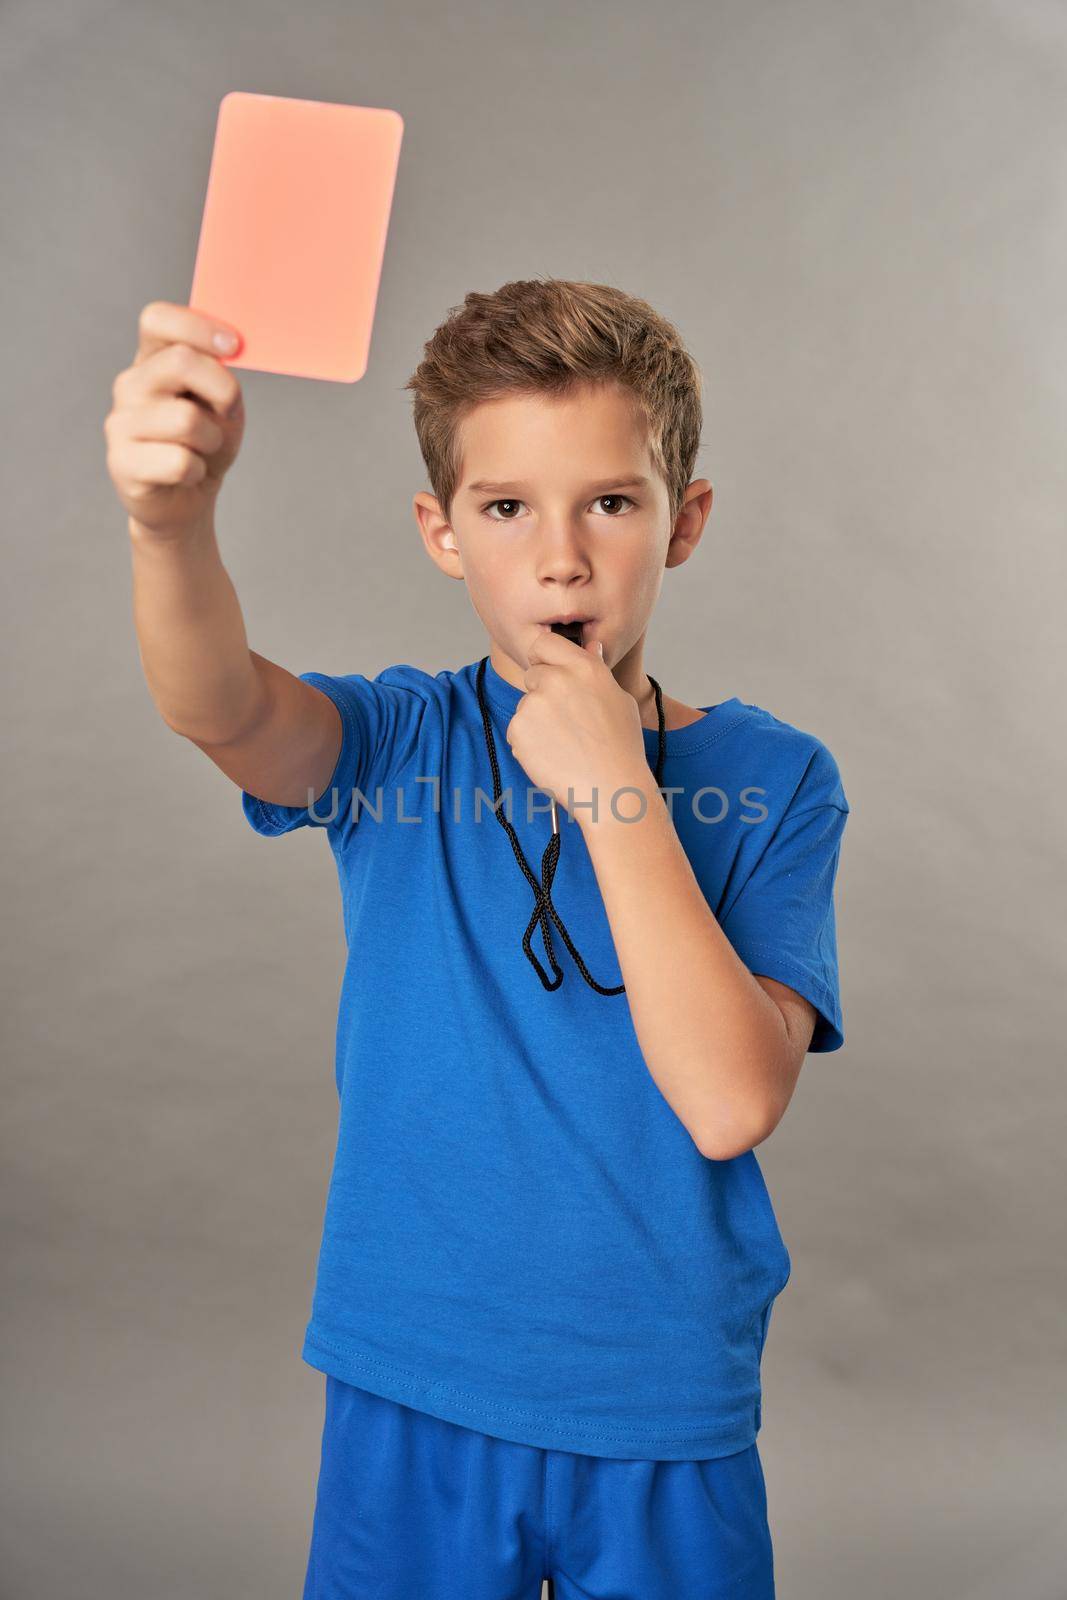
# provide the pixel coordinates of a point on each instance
(176, 422)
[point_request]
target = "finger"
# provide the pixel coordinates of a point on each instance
(157, 462)
(176, 420)
(179, 370)
(162, 323)
(551, 646)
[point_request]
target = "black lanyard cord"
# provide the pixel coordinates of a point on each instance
(543, 906)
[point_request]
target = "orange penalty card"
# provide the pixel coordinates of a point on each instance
(293, 233)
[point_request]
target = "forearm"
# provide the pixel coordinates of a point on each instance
(191, 635)
(712, 1038)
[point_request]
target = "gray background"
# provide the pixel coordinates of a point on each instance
(856, 214)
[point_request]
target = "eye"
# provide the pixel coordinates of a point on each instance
(488, 507)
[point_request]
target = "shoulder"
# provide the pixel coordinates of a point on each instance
(401, 683)
(813, 770)
(402, 675)
(391, 709)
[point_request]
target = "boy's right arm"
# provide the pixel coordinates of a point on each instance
(287, 751)
(171, 438)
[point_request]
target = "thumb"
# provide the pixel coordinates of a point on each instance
(597, 646)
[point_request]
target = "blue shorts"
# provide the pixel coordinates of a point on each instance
(411, 1507)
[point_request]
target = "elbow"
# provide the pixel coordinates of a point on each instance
(732, 1137)
(724, 1150)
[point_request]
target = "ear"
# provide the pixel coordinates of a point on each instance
(689, 523)
(438, 536)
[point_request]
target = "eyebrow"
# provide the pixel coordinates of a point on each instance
(484, 486)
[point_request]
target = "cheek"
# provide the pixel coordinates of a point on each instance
(492, 586)
(499, 577)
(639, 576)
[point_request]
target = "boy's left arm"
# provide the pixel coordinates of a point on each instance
(724, 1047)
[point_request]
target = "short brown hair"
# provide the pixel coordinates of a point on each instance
(551, 336)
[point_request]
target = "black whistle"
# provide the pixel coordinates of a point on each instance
(569, 630)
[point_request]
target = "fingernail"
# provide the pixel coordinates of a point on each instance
(225, 342)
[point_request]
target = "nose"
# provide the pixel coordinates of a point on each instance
(561, 557)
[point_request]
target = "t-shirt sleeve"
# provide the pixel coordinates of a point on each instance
(380, 722)
(782, 923)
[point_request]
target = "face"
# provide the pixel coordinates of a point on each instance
(560, 512)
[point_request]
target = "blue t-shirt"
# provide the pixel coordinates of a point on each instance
(520, 1235)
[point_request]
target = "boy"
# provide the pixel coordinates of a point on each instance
(549, 1257)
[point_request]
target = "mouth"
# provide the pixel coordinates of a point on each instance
(572, 627)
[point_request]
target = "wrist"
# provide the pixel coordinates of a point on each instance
(629, 797)
(182, 538)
